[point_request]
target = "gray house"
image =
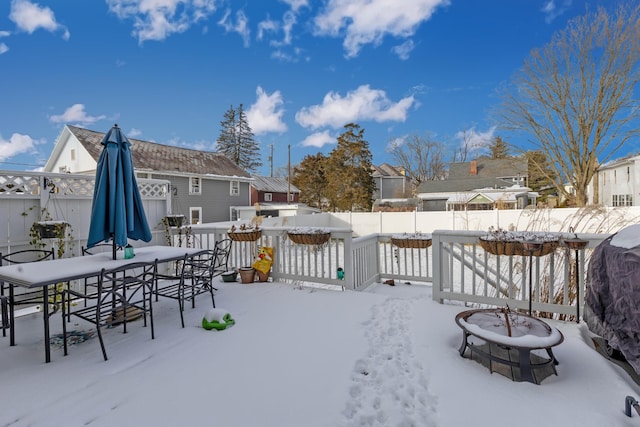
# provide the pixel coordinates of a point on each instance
(391, 182)
(204, 185)
(474, 185)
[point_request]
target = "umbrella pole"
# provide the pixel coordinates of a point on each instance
(113, 250)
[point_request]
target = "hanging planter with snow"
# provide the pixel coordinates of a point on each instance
(412, 240)
(309, 235)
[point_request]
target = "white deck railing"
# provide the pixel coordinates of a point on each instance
(457, 266)
(463, 271)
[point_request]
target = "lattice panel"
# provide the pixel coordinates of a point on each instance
(19, 185)
(152, 190)
(72, 186)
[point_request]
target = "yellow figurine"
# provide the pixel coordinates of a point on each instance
(265, 259)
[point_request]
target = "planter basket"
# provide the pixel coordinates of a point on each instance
(309, 238)
(245, 236)
(247, 274)
(411, 243)
(174, 220)
(514, 247)
(51, 230)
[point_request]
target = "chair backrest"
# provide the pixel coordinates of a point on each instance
(27, 255)
(198, 268)
(133, 276)
(99, 248)
(222, 251)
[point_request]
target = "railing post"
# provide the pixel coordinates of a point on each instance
(436, 265)
(349, 265)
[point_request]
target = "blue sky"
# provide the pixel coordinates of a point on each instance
(167, 70)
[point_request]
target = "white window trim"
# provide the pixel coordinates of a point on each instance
(191, 185)
(268, 197)
(234, 188)
(191, 211)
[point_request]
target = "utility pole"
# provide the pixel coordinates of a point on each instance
(271, 159)
(289, 173)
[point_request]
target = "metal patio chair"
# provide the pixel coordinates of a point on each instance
(123, 295)
(8, 298)
(195, 278)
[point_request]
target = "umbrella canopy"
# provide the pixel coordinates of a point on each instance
(117, 212)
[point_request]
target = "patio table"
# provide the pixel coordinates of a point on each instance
(46, 273)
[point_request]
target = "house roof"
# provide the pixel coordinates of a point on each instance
(273, 184)
(490, 173)
(164, 158)
(489, 168)
(466, 184)
(385, 169)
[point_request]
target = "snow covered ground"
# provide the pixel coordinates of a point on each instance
(387, 356)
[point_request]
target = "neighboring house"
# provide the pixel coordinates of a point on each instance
(617, 183)
(272, 197)
(204, 185)
(391, 182)
(273, 190)
(479, 184)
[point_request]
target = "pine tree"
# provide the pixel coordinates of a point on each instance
(237, 141)
(350, 185)
(311, 179)
(499, 148)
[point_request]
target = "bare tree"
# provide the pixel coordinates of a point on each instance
(573, 98)
(421, 157)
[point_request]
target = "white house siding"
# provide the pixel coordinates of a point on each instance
(620, 179)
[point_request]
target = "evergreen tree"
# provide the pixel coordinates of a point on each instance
(541, 174)
(350, 185)
(499, 148)
(237, 141)
(311, 179)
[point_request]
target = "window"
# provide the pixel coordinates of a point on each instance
(628, 174)
(73, 154)
(194, 185)
(234, 189)
(143, 175)
(622, 200)
(195, 215)
(268, 197)
(292, 197)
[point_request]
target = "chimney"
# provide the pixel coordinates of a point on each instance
(473, 167)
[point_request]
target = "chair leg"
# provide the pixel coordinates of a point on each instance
(64, 322)
(4, 302)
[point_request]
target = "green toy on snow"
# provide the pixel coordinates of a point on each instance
(217, 319)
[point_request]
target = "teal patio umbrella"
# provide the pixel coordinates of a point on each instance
(117, 213)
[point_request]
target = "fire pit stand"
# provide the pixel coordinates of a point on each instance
(493, 344)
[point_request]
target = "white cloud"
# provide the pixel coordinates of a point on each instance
(265, 115)
(31, 16)
(551, 10)
(396, 142)
(134, 133)
(5, 33)
(362, 104)
(158, 19)
(3, 48)
(296, 4)
(474, 139)
(364, 22)
(17, 144)
(403, 50)
(319, 139)
(75, 114)
(267, 26)
(241, 26)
